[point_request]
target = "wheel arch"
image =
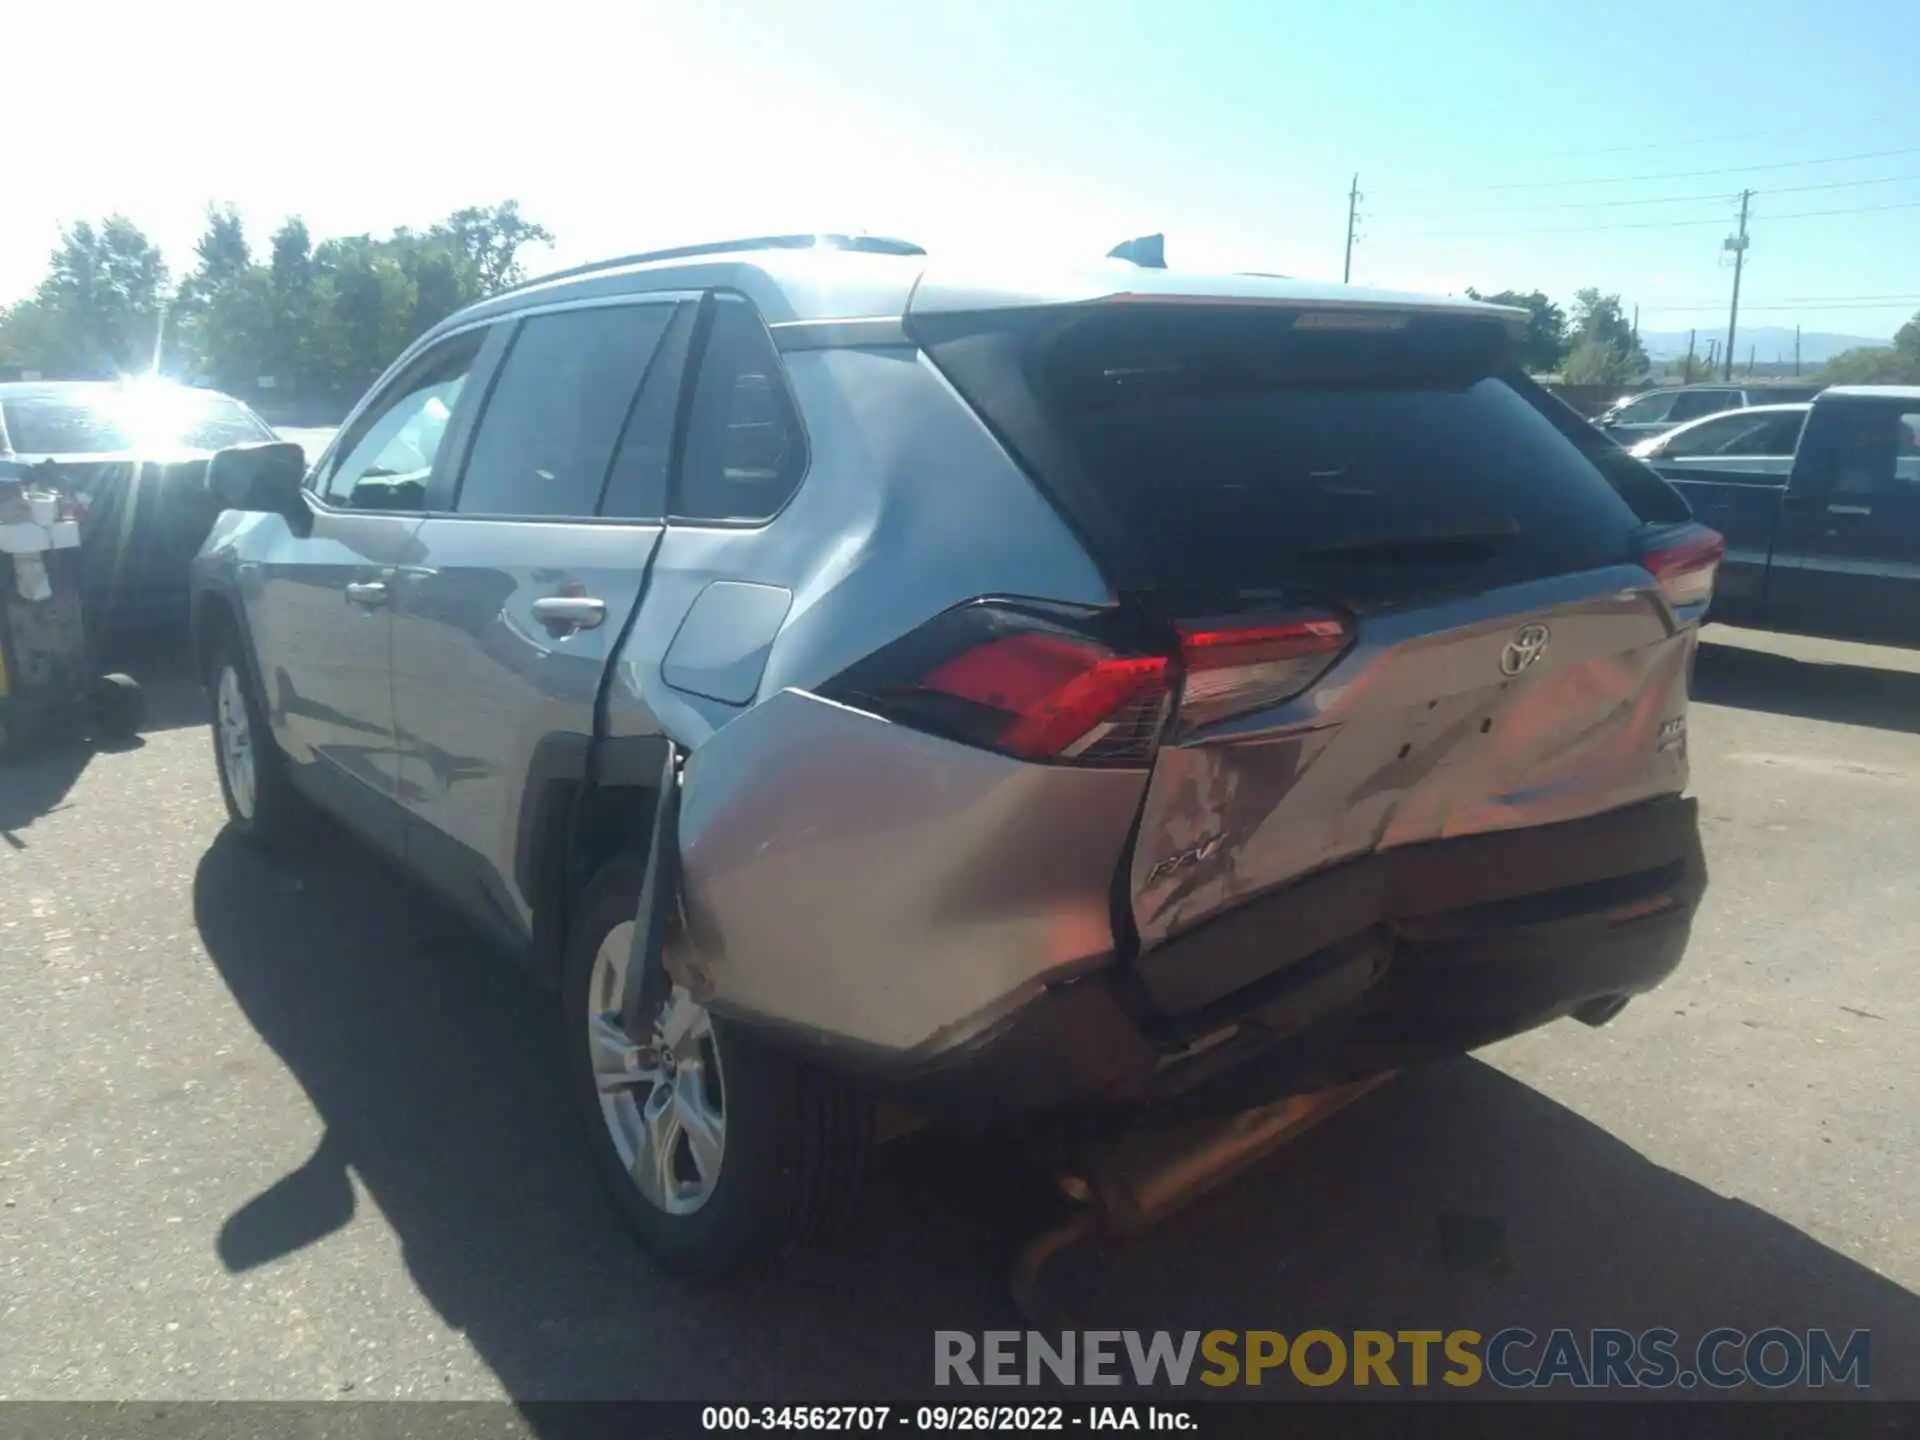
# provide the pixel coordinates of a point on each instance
(585, 806)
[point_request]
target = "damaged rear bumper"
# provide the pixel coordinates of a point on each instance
(1402, 956)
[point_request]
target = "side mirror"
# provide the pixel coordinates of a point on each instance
(264, 477)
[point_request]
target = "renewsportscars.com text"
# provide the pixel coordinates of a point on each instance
(1514, 1358)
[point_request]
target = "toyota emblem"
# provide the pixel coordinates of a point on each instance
(1528, 644)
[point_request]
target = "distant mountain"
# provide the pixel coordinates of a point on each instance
(1769, 342)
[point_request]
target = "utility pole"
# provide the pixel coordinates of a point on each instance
(1738, 245)
(1713, 349)
(1796, 352)
(1752, 350)
(1687, 374)
(1353, 216)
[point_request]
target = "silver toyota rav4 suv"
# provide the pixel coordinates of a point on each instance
(1039, 698)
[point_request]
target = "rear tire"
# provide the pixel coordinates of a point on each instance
(792, 1140)
(262, 805)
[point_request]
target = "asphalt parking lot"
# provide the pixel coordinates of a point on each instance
(284, 1133)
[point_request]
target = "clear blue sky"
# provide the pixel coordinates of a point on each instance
(1051, 124)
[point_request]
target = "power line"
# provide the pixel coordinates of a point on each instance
(1695, 174)
(1819, 300)
(1704, 140)
(1665, 199)
(1656, 224)
(1744, 309)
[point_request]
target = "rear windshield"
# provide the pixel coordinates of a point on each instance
(1225, 451)
(136, 422)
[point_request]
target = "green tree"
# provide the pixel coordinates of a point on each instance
(1602, 348)
(1544, 345)
(96, 315)
(491, 238)
(366, 302)
(1895, 364)
(293, 354)
(197, 342)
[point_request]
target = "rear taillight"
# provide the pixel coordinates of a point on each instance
(1079, 686)
(1685, 565)
(1034, 681)
(1233, 668)
(1050, 695)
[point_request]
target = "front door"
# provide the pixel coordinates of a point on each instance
(1849, 554)
(522, 581)
(323, 618)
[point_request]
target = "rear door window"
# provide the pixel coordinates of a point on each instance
(1775, 436)
(544, 445)
(1225, 451)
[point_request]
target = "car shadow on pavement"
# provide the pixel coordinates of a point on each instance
(1453, 1197)
(35, 782)
(1752, 679)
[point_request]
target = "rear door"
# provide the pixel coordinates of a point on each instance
(521, 581)
(727, 569)
(1405, 580)
(1849, 551)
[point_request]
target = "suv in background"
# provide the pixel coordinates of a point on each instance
(1641, 417)
(849, 676)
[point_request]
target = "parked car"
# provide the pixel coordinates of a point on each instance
(137, 453)
(1641, 417)
(1756, 440)
(1826, 539)
(848, 677)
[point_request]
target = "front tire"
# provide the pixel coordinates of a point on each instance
(262, 805)
(719, 1151)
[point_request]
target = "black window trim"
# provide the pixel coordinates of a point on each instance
(510, 325)
(321, 469)
(696, 363)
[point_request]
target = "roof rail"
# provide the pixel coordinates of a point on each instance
(865, 244)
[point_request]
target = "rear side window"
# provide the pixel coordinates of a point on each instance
(745, 452)
(545, 443)
(1776, 436)
(1692, 404)
(1221, 451)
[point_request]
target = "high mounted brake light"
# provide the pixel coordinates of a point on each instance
(1236, 668)
(1685, 566)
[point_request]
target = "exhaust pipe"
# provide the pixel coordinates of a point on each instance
(1136, 1180)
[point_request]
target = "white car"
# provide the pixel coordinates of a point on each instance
(1759, 440)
